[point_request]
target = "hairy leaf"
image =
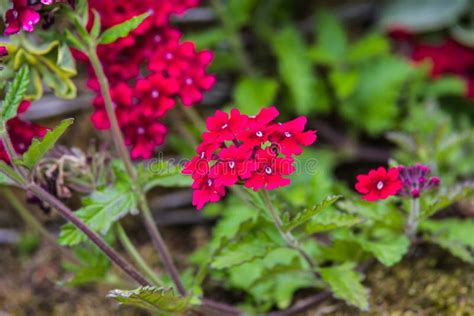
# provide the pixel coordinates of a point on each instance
(454, 235)
(329, 220)
(100, 210)
(39, 148)
(238, 253)
(163, 174)
(295, 68)
(309, 213)
(158, 300)
(346, 284)
(123, 29)
(15, 94)
(253, 93)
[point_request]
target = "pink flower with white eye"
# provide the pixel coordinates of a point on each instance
(270, 171)
(290, 136)
(156, 94)
(378, 184)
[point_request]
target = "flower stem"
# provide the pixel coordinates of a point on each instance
(193, 116)
(288, 236)
(413, 219)
(150, 225)
(160, 245)
(114, 126)
(133, 252)
(33, 222)
(93, 236)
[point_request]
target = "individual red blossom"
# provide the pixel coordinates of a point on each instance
(155, 93)
(143, 135)
(234, 163)
(378, 184)
(193, 83)
(21, 16)
(290, 136)
(230, 153)
(3, 51)
(21, 132)
(223, 127)
(270, 171)
(206, 190)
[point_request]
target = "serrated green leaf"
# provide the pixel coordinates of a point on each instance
(39, 148)
(253, 93)
(454, 235)
(346, 284)
(158, 300)
(295, 68)
(123, 29)
(389, 250)
(100, 211)
(15, 94)
(331, 38)
(446, 198)
(309, 213)
(329, 220)
(238, 253)
(163, 174)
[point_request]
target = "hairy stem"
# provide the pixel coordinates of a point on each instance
(233, 37)
(133, 252)
(150, 225)
(114, 126)
(93, 236)
(160, 245)
(413, 219)
(287, 236)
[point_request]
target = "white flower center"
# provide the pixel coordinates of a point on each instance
(140, 130)
(287, 134)
(380, 185)
(225, 125)
(155, 94)
(169, 56)
(231, 164)
(188, 81)
(209, 182)
(157, 38)
(268, 170)
(259, 134)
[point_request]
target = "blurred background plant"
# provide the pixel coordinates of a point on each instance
(389, 82)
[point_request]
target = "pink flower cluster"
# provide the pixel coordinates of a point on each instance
(148, 70)
(24, 15)
(21, 132)
(410, 181)
(254, 151)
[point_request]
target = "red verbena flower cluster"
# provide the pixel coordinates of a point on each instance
(147, 71)
(21, 132)
(380, 183)
(446, 57)
(254, 151)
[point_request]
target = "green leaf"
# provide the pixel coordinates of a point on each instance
(388, 250)
(368, 47)
(95, 31)
(329, 220)
(39, 148)
(447, 85)
(162, 174)
(93, 266)
(15, 94)
(454, 235)
(4, 180)
(208, 38)
(331, 38)
(240, 11)
(446, 198)
(346, 284)
(309, 213)
(123, 29)
(238, 253)
(422, 15)
(254, 93)
(158, 300)
(295, 68)
(100, 211)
